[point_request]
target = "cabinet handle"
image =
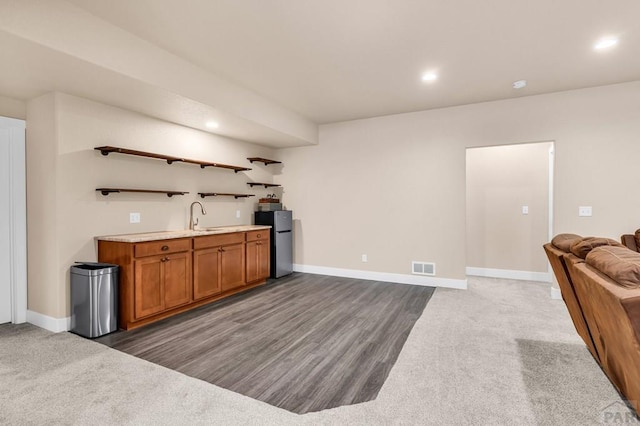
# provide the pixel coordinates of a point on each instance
(164, 259)
(258, 243)
(259, 235)
(164, 248)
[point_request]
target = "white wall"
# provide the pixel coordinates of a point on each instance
(394, 187)
(65, 211)
(390, 187)
(45, 295)
(500, 181)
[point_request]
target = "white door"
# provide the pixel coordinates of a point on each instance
(5, 228)
(13, 281)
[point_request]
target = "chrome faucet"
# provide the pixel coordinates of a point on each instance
(193, 223)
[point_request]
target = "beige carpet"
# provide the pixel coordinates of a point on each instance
(500, 353)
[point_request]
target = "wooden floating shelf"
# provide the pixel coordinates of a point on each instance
(106, 150)
(107, 191)
(224, 194)
(266, 185)
(266, 161)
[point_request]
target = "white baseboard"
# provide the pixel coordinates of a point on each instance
(509, 274)
(49, 323)
(382, 276)
(555, 293)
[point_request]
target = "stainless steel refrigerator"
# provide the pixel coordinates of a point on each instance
(281, 223)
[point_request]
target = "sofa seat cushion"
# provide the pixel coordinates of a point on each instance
(618, 263)
(564, 241)
(582, 247)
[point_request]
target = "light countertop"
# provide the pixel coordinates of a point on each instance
(185, 233)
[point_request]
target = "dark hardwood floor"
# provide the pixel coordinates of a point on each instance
(303, 343)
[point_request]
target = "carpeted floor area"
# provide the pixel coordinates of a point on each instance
(565, 368)
(500, 353)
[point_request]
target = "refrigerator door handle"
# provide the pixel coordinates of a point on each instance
(281, 232)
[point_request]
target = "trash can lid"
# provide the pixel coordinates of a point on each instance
(93, 268)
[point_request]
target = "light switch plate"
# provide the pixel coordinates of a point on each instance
(585, 211)
(364, 258)
(134, 217)
(525, 209)
(237, 214)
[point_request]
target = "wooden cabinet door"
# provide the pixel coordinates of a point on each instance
(264, 259)
(206, 280)
(252, 261)
(258, 262)
(232, 261)
(177, 279)
(148, 288)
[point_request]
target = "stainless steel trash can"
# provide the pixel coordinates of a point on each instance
(94, 298)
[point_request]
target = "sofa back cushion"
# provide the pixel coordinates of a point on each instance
(618, 263)
(629, 240)
(564, 241)
(637, 238)
(582, 247)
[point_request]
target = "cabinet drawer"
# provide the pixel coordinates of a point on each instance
(262, 234)
(218, 240)
(162, 247)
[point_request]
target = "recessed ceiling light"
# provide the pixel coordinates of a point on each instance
(429, 76)
(520, 84)
(213, 124)
(605, 43)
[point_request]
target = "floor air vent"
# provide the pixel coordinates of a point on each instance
(423, 268)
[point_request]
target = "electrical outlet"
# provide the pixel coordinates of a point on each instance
(525, 209)
(237, 214)
(585, 211)
(364, 258)
(134, 217)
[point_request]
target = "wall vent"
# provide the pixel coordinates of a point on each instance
(423, 268)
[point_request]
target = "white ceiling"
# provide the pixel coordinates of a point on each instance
(336, 60)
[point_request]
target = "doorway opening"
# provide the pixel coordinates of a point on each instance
(509, 216)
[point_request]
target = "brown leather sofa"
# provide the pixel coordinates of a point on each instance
(556, 251)
(599, 280)
(632, 240)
